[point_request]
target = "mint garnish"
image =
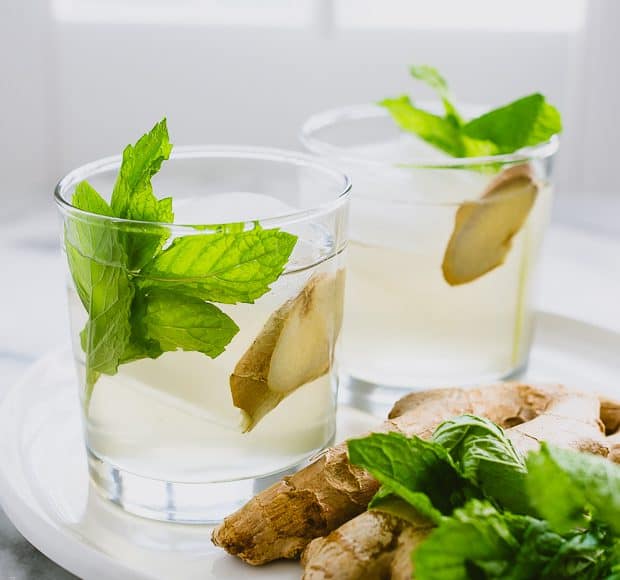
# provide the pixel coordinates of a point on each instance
(143, 300)
(553, 514)
(177, 321)
(525, 122)
(227, 267)
(522, 123)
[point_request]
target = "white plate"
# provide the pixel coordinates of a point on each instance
(45, 490)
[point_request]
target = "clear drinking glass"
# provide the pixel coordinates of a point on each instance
(183, 423)
(441, 256)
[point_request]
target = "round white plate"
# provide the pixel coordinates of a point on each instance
(45, 491)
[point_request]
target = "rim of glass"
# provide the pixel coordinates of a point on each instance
(214, 151)
(331, 117)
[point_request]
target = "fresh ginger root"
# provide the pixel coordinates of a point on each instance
(280, 521)
(372, 545)
(571, 420)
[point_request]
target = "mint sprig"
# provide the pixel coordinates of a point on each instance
(226, 268)
(177, 321)
(570, 488)
(528, 121)
(479, 541)
(554, 514)
(143, 300)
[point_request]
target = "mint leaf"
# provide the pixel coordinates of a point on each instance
(227, 268)
(416, 505)
(140, 162)
(176, 321)
(107, 331)
(140, 345)
(438, 131)
(433, 79)
(143, 241)
(106, 293)
(486, 457)
(409, 468)
(585, 554)
(93, 236)
(479, 542)
(569, 488)
(86, 198)
(475, 534)
(522, 123)
(434, 129)
(133, 197)
(96, 260)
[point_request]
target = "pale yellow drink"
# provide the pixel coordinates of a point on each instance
(407, 324)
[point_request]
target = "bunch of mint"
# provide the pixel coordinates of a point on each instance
(554, 515)
(145, 296)
(525, 122)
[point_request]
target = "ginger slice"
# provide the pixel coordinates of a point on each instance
(294, 348)
(483, 229)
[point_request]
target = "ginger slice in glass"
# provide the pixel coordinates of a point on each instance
(293, 348)
(483, 230)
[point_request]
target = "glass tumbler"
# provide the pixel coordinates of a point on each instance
(204, 348)
(442, 253)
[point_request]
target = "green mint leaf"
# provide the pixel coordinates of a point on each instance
(86, 198)
(586, 554)
(140, 162)
(477, 541)
(522, 123)
(438, 131)
(434, 129)
(106, 293)
(107, 331)
(567, 488)
(164, 210)
(139, 345)
(409, 468)
(96, 260)
(430, 75)
(525, 122)
(179, 322)
(143, 241)
(418, 505)
(91, 238)
(476, 534)
(433, 79)
(133, 197)
(486, 457)
(91, 235)
(226, 268)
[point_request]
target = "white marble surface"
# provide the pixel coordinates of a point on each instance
(580, 278)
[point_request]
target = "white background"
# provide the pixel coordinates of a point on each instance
(81, 78)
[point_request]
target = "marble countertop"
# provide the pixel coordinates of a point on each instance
(579, 278)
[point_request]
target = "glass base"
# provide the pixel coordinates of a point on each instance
(378, 399)
(187, 503)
